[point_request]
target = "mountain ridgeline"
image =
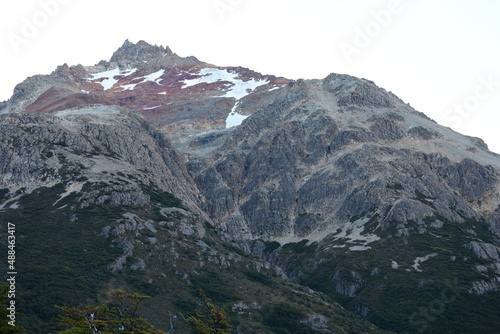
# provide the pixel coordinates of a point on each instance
(298, 206)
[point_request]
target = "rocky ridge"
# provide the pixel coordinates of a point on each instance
(152, 80)
(44, 150)
(309, 162)
(90, 192)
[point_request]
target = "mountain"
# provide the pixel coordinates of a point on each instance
(171, 92)
(293, 203)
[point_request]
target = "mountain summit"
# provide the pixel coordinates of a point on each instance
(130, 54)
(280, 198)
(142, 54)
(153, 80)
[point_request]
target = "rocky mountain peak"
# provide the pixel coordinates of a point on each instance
(174, 93)
(141, 54)
(357, 92)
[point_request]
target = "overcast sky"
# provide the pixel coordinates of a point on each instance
(442, 57)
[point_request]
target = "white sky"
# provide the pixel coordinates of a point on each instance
(437, 55)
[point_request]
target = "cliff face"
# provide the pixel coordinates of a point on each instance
(320, 153)
(354, 193)
(101, 200)
(190, 168)
(92, 142)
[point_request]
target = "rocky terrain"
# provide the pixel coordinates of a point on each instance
(182, 96)
(275, 196)
(90, 190)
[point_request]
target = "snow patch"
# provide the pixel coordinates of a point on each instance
(13, 203)
(419, 260)
(152, 107)
(154, 77)
(209, 75)
(129, 86)
(394, 264)
(352, 232)
(359, 248)
(72, 188)
(234, 119)
(238, 89)
(109, 77)
(126, 73)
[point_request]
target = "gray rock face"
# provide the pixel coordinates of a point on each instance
(131, 55)
(318, 323)
(419, 132)
(483, 287)
(328, 169)
(320, 153)
(347, 287)
(484, 250)
(30, 89)
(356, 93)
(40, 150)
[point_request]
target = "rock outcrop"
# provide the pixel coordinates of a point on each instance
(39, 150)
(308, 161)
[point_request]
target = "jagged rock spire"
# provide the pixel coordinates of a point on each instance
(130, 54)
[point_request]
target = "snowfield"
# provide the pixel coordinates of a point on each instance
(154, 77)
(109, 77)
(238, 89)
